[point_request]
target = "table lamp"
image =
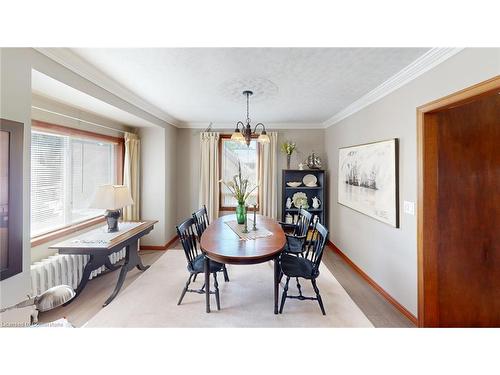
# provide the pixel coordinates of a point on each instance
(112, 198)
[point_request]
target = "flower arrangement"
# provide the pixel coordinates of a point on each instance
(240, 189)
(288, 148)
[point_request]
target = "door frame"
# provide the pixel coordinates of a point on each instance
(427, 151)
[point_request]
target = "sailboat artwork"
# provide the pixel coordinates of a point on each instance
(368, 180)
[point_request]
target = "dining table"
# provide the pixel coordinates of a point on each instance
(223, 242)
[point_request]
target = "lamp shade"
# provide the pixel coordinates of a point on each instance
(112, 197)
(263, 138)
(237, 136)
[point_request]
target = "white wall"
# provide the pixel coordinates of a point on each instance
(153, 183)
(188, 160)
(386, 254)
(15, 105)
(159, 182)
(171, 181)
(68, 115)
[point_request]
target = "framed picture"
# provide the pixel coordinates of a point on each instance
(368, 180)
(11, 198)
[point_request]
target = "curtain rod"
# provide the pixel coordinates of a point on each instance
(79, 119)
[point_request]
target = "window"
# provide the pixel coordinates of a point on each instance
(230, 153)
(66, 167)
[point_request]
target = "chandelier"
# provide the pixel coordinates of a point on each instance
(245, 134)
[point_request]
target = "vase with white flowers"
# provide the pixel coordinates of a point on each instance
(240, 188)
(288, 148)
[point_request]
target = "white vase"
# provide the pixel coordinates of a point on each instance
(316, 202)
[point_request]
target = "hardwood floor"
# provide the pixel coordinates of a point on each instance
(90, 301)
(380, 312)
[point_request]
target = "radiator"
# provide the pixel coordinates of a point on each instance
(64, 269)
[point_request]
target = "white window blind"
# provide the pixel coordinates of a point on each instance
(65, 171)
(232, 151)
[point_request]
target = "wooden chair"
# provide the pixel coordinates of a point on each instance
(201, 218)
(296, 240)
(196, 260)
(305, 266)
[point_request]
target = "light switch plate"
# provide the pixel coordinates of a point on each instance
(409, 207)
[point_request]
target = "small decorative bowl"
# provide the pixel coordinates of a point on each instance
(294, 184)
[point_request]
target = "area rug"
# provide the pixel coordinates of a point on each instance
(246, 301)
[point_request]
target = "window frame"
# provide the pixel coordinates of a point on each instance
(221, 207)
(119, 162)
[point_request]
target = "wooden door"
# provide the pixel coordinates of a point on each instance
(459, 229)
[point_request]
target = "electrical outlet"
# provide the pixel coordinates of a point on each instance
(409, 207)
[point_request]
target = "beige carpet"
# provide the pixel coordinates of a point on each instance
(246, 301)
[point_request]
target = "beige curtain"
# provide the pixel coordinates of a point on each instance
(268, 177)
(131, 176)
(209, 173)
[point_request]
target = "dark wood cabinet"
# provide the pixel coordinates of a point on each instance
(319, 191)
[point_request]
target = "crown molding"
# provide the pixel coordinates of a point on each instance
(269, 125)
(424, 63)
(75, 63)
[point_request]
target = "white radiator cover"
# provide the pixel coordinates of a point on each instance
(64, 269)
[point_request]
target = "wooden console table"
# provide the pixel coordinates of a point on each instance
(99, 245)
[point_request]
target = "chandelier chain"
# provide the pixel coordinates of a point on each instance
(246, 133)
(248, 113)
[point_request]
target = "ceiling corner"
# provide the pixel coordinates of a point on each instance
(424, 63)
(73, 62)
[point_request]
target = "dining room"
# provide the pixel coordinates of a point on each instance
(249, 187)
(256, 208)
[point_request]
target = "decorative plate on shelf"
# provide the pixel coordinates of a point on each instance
(299, 200)
(294, 183)
(310, 180)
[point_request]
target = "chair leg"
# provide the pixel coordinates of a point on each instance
(216, 286)
(318, 296)
(185, 289)
(226, 276)
(283, 297)
(299, 287)
(194, 279)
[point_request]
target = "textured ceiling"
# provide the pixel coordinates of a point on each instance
(302, 85)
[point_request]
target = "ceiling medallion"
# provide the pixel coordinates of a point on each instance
(262, 88)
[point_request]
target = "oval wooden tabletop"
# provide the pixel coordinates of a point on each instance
(222, 244)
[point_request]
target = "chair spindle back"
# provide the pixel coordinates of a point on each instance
(316, 245)
(188, 237)
(303, 223)
(201, 218)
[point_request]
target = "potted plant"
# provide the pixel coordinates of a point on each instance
(240, 190)
(288, 148)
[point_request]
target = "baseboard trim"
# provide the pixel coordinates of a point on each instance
(374, 285)
(159, 247)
